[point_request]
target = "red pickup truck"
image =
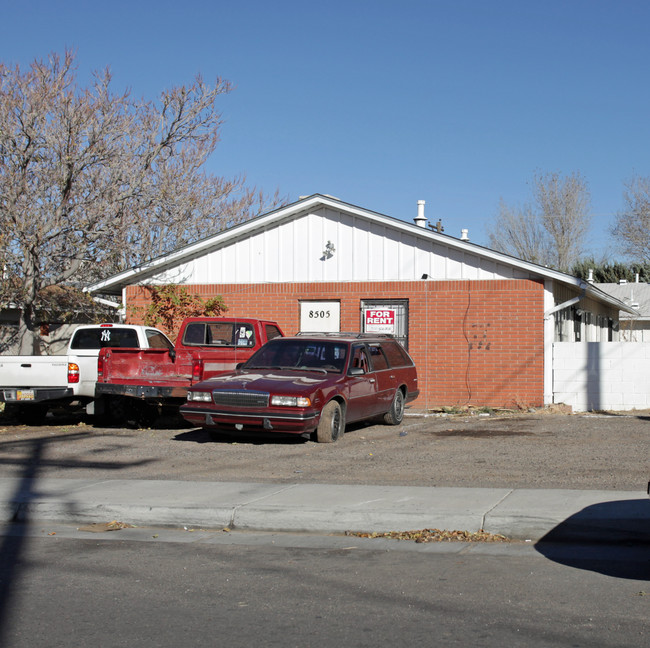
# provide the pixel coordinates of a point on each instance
(138, 384)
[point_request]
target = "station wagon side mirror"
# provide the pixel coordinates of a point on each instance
(356, 371)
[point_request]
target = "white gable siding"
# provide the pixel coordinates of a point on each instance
(293, 251)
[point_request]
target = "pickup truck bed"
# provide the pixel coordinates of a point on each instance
(141, 383)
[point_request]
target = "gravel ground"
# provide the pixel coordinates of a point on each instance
(536, 449)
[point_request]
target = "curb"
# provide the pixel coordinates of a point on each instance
(523, 514)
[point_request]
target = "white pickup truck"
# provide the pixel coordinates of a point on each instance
(32, 385)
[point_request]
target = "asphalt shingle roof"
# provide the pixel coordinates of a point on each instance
(634, 294)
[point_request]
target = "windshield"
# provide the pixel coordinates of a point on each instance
(300, 354)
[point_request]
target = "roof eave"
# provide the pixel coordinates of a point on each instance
(115, 284)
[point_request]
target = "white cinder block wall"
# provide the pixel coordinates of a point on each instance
(602, 375)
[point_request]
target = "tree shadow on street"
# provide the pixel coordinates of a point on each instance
(24, 490)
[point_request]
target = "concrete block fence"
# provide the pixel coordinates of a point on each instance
(602, 375)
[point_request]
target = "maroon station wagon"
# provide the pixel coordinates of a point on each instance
(310, 384)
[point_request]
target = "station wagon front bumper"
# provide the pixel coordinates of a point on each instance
(300, 422)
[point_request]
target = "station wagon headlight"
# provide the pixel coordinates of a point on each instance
(202, 397)
(290, 401)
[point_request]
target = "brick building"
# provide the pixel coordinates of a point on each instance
(479, 324)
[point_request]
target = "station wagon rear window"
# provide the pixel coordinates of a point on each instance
(397, 357)
(377, 358)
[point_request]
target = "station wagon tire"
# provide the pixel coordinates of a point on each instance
(331, 425)
(395, 414)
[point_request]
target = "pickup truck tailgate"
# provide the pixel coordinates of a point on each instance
(133, 365)
(38, 371)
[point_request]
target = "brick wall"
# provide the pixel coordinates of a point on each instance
(478, 343)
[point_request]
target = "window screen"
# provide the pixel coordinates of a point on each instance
(400, 307)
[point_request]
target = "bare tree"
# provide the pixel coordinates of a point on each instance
(519, 231)
(93, 182)
(552, 230)
(632, 225)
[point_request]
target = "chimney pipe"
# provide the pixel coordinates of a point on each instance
(420, 220)
(464, 235)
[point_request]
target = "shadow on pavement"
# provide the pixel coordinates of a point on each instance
(200, 435)
(611, 538)
(203, 435)
(32, 460)
(52, 419)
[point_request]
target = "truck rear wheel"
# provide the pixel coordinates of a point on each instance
(118, 410)
(145, 414)
(31, 414)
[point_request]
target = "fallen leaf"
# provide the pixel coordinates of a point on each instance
(102, 527)
(434, 535)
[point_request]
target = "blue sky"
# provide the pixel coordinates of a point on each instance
(382, 103)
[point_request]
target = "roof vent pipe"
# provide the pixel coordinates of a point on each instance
(420, 220)
(464, 235)
(591, 276)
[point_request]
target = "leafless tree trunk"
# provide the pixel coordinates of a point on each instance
(93, 182)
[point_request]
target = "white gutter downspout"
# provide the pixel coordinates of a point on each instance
(549, 333)
(106, 302)
(566, 304)
(111, 304)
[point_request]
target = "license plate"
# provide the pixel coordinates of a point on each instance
(25, 394)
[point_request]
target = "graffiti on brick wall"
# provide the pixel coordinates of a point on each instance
(479, 337)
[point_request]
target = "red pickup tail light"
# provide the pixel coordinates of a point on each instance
(197, 370)
(73, 372)
(100, 367)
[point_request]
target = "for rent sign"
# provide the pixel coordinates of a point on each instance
(380, 320)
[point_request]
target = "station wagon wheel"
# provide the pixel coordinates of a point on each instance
(331, 425)
(395, 414)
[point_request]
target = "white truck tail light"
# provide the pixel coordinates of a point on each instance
(73, 372)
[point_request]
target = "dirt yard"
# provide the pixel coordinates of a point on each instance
(536, 449)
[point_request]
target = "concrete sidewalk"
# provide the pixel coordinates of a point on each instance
(523, 514)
